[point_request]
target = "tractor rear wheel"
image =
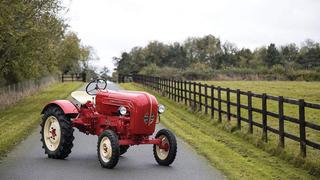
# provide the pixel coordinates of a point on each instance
(124, 149)
(56, 133)
(165, 155)
(108, 149)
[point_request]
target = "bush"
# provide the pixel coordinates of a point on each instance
(278, 69)
(165, 72)
(200, 71)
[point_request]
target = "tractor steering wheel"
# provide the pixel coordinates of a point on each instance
(95, 85)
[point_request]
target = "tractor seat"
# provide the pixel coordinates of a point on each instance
(82, 96)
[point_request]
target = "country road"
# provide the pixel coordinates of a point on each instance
(28, 162)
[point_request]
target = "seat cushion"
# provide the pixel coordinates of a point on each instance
(82, 97)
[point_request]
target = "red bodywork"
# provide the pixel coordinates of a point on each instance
(133, 128)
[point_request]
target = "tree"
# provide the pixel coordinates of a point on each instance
(228, 56)
(104, 73)
(29, 34)
(244, 58)
(290, 53)
(176, 56)
(272, 56)
(69, 54)
(200, 56)
(309, 56)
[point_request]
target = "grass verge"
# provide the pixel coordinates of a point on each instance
(310, 91)
(18, 120)
(237, 157)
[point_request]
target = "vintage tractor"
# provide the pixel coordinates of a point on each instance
(120, 119)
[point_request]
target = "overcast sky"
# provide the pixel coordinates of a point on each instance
(114, 26)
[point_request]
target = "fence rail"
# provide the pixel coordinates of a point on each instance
(14, 92)
(73, 77)
(208, 98)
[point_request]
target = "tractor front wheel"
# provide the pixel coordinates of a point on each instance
(166, 153)
(56, 133)
(108, 149)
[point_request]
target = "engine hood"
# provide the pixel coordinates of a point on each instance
(134, 101)
(142, 108)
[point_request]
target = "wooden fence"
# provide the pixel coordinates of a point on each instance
(208, 99)
(15, 92)
(73, 77)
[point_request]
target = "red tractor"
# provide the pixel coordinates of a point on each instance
(120, 119)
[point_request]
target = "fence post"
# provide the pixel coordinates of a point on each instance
(228, 104)
(163, 86)
(212, 101)
(238, 109)
(302, 127)
(190, 101)
(185, 93)
(169, 88)
(206, 98)
(200, 97)
(219, 104)
(194, 96)
(84, 77)
(175, 90)
(281, 122)
(172, 89)
(264, 117)
(250, 112)
(62, 78)
(179, 90)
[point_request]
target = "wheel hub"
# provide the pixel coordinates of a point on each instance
(163, 149)
(52, 133)
(105, 149)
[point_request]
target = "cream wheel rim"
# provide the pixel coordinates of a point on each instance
(52, 133)
(105, 149)
(162, 153)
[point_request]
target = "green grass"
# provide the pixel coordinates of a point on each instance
(18, 120)
(310, 91)
(237, 154)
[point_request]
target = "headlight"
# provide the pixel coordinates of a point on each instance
(122, 110)
(161, 108)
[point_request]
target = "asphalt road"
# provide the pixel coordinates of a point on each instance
(28, 161)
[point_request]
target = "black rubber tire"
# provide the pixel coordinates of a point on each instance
(115, 149)
(66, 141)
(172, 148)
(123, 149)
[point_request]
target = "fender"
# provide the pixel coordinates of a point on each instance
(66, 106)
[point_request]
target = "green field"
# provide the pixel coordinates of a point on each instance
(18, 120)
(238, 154)
(310, 91)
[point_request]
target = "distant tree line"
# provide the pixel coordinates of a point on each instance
(35, 41)
(208, 58)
